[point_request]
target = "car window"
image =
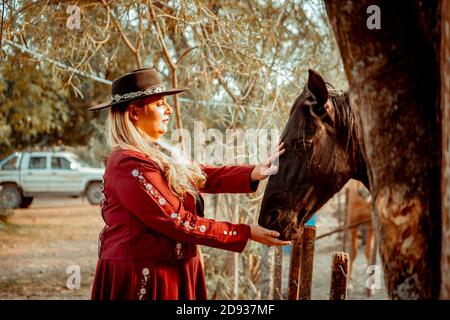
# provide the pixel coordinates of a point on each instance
(37, 162)
(11, 164)
(60, 163)
(79, 161)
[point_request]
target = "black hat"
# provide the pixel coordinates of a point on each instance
(134, 85)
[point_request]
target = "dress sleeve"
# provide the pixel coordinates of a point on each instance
(143, 191)
(229, 179)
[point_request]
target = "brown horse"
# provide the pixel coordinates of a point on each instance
(323, 151)
(359, 211)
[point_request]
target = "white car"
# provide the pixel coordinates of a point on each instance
(24, 175)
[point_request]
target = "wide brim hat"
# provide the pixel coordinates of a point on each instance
(137, 84)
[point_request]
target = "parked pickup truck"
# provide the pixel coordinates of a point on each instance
(24, 175)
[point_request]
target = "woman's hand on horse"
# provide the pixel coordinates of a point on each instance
(266, 236)
(267, 167)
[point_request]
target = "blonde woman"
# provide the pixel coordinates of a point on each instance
(152, 205)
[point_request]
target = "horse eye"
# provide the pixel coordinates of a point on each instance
(302, 146)
(318, 111)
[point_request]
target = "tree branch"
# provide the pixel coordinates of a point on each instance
(172, 67)
(124, 37)
(152, 18)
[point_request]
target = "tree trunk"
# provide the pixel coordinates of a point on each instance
(445, 182)
(394, 78)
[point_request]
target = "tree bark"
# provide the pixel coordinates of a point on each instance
(445, 182)
(394, 79)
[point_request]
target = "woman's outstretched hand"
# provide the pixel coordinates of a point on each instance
(267, 168)
(266, 236)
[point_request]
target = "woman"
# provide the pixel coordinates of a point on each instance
(152, 205)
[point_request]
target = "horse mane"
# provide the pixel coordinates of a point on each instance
(346, 125)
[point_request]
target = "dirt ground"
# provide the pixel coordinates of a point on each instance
(39, 244)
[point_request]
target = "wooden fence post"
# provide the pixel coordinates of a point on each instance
(339, 279)
(267, 266)
(294, 272)
(307, 261)
(278, 273)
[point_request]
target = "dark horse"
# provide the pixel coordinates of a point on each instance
(323, 151)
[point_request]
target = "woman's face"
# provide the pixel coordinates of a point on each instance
(151, 115)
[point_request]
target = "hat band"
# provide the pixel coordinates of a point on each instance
(132, 95)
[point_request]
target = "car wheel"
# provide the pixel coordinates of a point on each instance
(94, 193)
(10, 196)
(26, 202)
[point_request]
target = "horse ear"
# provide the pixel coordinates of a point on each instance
(317, 86)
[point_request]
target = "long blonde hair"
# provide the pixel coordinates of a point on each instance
(180, 173)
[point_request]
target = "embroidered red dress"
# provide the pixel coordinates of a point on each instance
(148, 248)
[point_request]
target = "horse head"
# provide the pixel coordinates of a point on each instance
(323, 151)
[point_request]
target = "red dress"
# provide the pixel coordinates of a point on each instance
(148, 248)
